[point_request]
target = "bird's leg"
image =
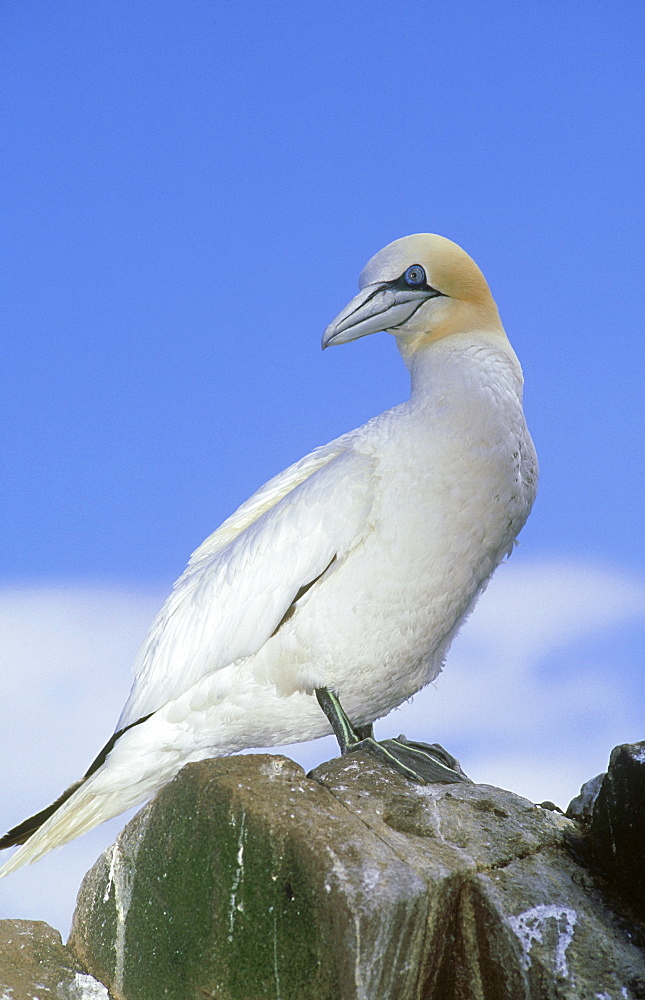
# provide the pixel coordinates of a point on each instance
(344, 732)
(424, 763)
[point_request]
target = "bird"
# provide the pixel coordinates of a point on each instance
(333, 593)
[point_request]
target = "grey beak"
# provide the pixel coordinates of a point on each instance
(376, 307)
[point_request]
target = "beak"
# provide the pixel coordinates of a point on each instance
(376, 307)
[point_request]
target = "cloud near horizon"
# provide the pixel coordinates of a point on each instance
(537, 689)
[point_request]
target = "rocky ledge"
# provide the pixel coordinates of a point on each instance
(246, 879)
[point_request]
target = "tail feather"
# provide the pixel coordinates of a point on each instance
(81, 808)
(23, 831)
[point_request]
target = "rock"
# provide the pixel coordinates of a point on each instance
(242, 879)
(35, 965)
(508, 867)
(617, 832)
(245, 879)
(581, 808)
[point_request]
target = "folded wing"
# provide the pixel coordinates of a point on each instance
(241, 582)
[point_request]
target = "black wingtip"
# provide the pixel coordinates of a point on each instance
(20, 834)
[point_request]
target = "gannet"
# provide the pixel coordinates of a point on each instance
(333, 594)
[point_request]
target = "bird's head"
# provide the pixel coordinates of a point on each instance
(421, 288)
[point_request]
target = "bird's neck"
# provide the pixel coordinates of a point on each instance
(457, 365)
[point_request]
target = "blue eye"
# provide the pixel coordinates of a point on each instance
(415, 276)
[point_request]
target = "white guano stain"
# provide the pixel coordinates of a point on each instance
(234, 906)
(529, 927)
(276, 973)
(86, 987)
(120, 879)
(358, 971)
(111, 874)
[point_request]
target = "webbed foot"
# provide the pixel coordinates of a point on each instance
(424, 763)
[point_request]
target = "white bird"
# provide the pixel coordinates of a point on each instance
(345, 578)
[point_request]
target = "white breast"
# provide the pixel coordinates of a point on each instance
(455, 480)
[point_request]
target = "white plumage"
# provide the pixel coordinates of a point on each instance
(353, 569)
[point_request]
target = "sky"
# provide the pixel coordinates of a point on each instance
(191, 191)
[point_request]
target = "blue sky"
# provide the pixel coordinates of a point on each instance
(191, 192)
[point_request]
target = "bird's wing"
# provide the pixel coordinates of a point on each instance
(242, 580)
(266, 497)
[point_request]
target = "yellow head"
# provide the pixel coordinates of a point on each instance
(420, 288)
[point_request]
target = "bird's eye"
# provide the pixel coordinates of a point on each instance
(415, 276)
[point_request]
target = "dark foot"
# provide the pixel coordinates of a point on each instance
(424, 763)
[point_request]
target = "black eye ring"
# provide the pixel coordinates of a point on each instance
(415, 276)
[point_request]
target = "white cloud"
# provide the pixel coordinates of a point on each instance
(525, 700)
(537, 608)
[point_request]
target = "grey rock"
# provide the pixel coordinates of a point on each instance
(617, 831)
(241, 879)
(581, 808)
(35, 965)
(246, 879)
(512, 880)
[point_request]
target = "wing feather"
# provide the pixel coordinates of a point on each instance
(265, 498)
(241, 582)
